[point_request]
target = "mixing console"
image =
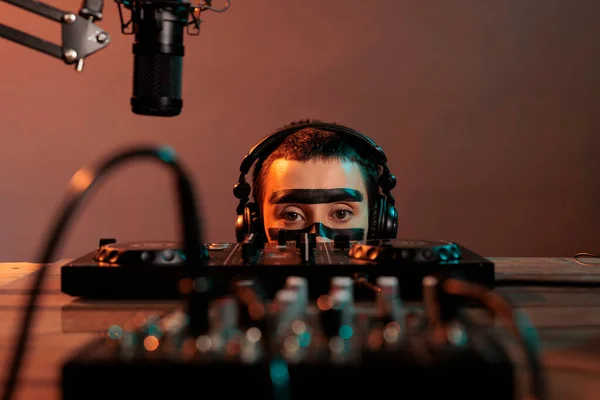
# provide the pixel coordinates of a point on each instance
(155, 269)
(245, 345)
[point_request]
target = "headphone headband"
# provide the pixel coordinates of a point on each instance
(383, 217)
(270, 142)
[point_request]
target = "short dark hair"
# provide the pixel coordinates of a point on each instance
(310, 144)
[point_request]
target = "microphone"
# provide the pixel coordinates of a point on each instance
(158, 51)
(158, 58)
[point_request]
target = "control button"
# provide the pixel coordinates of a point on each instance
(106, 241)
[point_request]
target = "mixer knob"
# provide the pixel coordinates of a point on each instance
(147, 257)
(336, 314)
(343, 283)
(341, 242)
(105, 241)
(300, 286)
(365, 252)
(167, 255)
(405, 251)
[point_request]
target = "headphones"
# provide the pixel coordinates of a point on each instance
(383, 216)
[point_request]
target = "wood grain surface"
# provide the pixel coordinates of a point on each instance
(567, 320)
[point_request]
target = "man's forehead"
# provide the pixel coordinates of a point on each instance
(314, 174)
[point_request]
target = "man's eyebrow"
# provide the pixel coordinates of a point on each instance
(315, 196)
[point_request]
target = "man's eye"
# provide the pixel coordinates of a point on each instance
(342, 214)
(291, 216)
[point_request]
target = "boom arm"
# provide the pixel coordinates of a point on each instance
(80, 36)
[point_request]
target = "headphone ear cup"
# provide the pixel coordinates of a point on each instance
(375, 217)
(389, 223)
(240, 227)
(253, 220)
(243, 223)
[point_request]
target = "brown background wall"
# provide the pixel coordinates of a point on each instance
(489, 112)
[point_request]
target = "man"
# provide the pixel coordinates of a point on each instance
(316, 181)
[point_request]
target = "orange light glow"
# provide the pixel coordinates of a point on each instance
(375, 339)
(186, 285)
(188, 347)
(151, 343)
(324, 303)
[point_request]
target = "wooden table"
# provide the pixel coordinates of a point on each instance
(568, 322)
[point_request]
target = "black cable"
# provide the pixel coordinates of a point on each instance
(80, 185)
(523, 329)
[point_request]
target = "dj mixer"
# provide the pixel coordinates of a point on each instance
(289, 320)
(154, 270)
(244, 344)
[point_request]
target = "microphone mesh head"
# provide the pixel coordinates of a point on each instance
(157, 84)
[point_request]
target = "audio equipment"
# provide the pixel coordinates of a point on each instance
(80, 186)
(158, 50)
(383, 217)
(80, 36)
(244, 343)
(154, 270)
(250, 317)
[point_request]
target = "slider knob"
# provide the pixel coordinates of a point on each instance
(288, 306)
(430, 300)
(343, 283)
(225, 314)
(251, 307)
(300, 286)
(306, 246)
(388, 304)
(389, 285)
